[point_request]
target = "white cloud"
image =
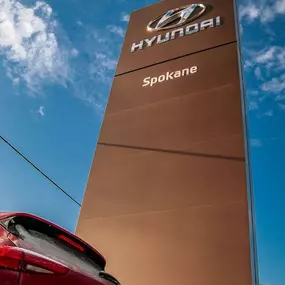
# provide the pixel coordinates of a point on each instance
(280, 6)
(79, 23)
(266, 61)
(258, 73)
(268, 66)
(252, 105)
(29, 45)
(95, 74)
(262, 10)
(248, 64)
(41, 111)
(275, 85)
(266, 55)
(241, 29)
(74, 52)
(253, 92)
(117, 30)
(46, 9)
(105, 61)
(125, 17)
(15, 81)
(281, 106)
(268, 113)
(36, 52)
(280, 98)
(249, 11)
(255, 143)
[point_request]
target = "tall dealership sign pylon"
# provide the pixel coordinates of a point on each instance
(167, 200)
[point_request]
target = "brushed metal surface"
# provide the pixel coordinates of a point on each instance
(130, 181)
(186, 45)
(216, 68)
(166, 200)
(198, 113)
(195, 245)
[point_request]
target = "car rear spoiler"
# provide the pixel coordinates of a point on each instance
(96, 256)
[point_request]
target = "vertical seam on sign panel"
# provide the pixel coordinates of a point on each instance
(255, 275)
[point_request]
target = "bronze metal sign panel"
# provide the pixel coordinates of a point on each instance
(197, 113)
(127, 181)
(209, 38)
(166, 201)
(163, 218)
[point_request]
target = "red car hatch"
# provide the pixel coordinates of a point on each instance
(47, 254)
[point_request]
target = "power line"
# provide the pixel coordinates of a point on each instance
(37, 169)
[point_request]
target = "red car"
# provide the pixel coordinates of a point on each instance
(36, 252)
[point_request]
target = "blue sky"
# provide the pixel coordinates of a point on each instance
(263, 48)
(57, 60)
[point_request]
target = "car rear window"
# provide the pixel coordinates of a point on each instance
(56, 244)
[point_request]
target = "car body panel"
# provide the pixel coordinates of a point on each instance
(9, 277)
(70, 278)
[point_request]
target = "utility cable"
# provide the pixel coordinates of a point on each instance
(37, 169)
